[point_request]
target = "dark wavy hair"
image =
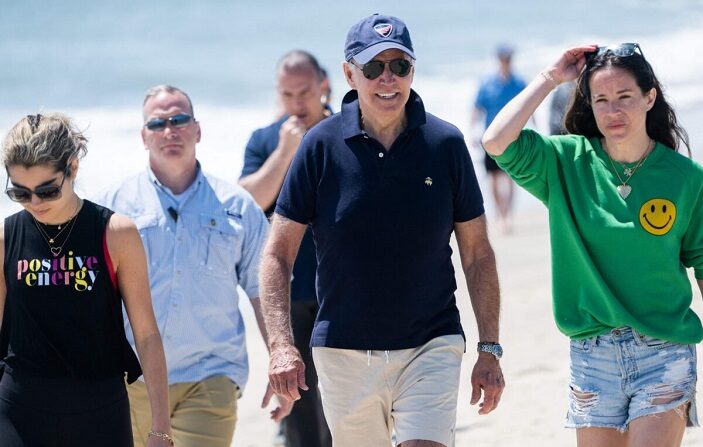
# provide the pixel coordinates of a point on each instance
(661, 122)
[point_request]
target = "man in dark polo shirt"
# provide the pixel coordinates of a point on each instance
(384, 184)
(302, 86)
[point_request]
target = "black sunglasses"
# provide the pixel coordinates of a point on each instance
(46, 192)
(373, 69)
(178, 121)
(621, 50)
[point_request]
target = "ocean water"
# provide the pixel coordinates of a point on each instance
(95, 60)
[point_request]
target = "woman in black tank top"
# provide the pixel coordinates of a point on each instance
(68, 265)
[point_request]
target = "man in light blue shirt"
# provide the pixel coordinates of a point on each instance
(203, 237)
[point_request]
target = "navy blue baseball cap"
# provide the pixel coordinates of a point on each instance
(374, 34)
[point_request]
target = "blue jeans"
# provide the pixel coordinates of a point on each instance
(623, 375)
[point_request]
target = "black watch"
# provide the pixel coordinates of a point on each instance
(491, 347)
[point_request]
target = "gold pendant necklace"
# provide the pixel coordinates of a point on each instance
(69, 224)
(623, 188)
(46, 234)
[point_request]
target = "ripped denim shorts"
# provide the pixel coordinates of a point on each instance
(623, 375)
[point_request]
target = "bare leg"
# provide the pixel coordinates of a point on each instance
(509, 191)
(420, 443)
(659, 430)
(502, 188)
(600, 437)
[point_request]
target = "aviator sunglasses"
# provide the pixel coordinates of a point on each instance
(621, 50)
(47, 193)
(178, 121)
(373, 69)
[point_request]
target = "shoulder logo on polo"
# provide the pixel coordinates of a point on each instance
(383, 29)
(428, 181)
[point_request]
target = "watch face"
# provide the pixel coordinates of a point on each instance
(493, 348)
(498, 351)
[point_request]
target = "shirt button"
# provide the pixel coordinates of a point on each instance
(178, 272)
(380, 155)
(213, 222)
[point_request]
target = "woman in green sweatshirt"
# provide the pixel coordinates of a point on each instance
(626, 220)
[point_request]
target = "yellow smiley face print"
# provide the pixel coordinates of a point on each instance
(657, 216)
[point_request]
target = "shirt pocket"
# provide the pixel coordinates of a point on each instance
(221, 243)
(147, 225)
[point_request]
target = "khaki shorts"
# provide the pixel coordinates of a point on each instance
(203, 414)
(368, 394)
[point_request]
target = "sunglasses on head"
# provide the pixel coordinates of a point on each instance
(45, 192)
(373, 69)
(177, 121)
(621, 50)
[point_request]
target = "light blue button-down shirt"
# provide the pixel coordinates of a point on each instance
(196, 263)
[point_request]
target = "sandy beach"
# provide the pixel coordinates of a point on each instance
(532, 410)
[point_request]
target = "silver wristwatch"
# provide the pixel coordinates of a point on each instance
(491, 347)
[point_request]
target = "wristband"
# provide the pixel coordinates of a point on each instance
(546, 75)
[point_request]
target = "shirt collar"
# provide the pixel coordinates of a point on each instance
(199, 177)
(351, 124)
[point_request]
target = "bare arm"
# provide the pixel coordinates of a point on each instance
(127, 253)
(256, 305)
(507, 125)
(479, 266)
(700, 287)
(286, 367)
(284, 405)
(265, 184)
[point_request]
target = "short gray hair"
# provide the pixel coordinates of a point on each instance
(153, 91)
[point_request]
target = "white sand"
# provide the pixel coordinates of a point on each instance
(535, 364)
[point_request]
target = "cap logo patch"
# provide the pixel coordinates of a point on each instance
(383, 29)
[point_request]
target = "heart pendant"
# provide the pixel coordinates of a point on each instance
(624, 190)
(55, 251)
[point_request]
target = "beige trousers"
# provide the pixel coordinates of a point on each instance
(203, 414)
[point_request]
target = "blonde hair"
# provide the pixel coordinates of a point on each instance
(51, 139)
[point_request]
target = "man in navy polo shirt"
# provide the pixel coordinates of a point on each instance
(384, 184)
(302, 88)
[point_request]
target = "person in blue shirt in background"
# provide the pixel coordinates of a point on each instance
(203, 238)
(303, 92)
(495, 92)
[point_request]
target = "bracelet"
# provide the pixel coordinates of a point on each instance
(158, 434)
(546, 75)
